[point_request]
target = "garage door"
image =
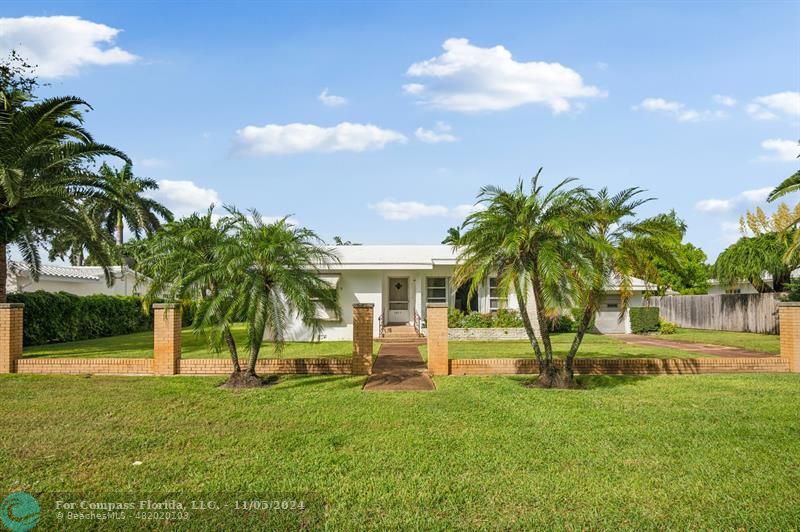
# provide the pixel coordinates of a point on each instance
(607, 320)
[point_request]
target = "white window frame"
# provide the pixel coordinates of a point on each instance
(495, 301)
(444, 299)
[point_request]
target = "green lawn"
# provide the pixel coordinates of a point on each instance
(766, 343)
(692, 452)
(140, 345)
(594, 346)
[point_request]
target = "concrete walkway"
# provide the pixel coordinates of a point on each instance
(399, 368)
(721, 351)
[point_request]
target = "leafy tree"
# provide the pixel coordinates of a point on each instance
(688, 275)
(45, 153)
(529, 239)
(339, 242)
(751, 257)
(453, 236)
(124, 203)
(619, 246)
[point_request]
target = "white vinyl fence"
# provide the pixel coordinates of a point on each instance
(756, 313)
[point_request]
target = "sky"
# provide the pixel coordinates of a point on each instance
(379, 122)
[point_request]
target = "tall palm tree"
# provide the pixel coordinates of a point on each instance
(124, 203)
(181, 261)
(453, 236)
(44, 152)
(271, 274)
(530, 240)
(619, 247)
(788, 185)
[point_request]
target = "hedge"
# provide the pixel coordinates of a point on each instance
(644, 319)
(63, 317)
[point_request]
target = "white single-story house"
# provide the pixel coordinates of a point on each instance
(400, 280)
(78, 280)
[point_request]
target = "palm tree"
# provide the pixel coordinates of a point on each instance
(618, 247)
(271, 274)
(531, 241)
(453, 236)
(181, 261)
(787, 186)
(124, 203)
(44, 152)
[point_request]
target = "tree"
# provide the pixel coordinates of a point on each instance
(44, 175)
(270, 274)
(618, 247)
(181, 261)
(339, 242)
(751, 257)
(530, 241)
(453, 236)
(123, 203)
(787, 186)
(688, 275)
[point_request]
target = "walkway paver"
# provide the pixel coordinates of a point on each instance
(722, 351)
(399, 367)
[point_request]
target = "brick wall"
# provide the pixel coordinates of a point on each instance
(166, 338)
(280, 366)
(789, 319)
(631, 366)
(363, 315)
(82, 366)
(10, 336)
(438, 353)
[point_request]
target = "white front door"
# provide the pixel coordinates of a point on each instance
(398, 300)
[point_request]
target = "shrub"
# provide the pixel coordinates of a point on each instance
(667, 327)
(476, 320)
(455, 318)
(563, 324)
(507, 319)
(644, 319)
(62, 317)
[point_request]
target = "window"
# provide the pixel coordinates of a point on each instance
(436, 290)
(495, 301)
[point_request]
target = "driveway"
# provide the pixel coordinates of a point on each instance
(722, 351)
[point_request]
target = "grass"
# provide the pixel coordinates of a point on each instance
(140, 345)
(765, 343)
(692, 452)
(593, 346)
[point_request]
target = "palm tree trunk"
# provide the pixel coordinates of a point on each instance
(120, 229)
(251, 363)
(231, 343)
(526, 322)
(3, 271)
(583, 326)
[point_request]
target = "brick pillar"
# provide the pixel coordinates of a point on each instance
(789, 321)
(363, 314)
(10, 336)
(166, 338)
(438, 356)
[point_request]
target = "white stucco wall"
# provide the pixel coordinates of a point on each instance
(716, 289)
(126, 286)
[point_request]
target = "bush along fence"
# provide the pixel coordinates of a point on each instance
(440, 364)
(644, 319)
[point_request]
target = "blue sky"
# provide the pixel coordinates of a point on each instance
(699, 103)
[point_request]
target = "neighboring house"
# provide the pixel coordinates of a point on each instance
(78, 280)
(716, 288)
(401, 280)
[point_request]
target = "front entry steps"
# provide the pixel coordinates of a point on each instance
(401, 334)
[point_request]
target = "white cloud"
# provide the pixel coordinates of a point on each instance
(730, 232)
(440, 133)
(299, 138)
(758, 195)
(714, 205)
(60, 46)
(411, 210)
(727, 101)
(677, 110)
(331, 100)
(469, 78)
(406, 210)
(184, 197)
(771, 106)
(783, 150)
